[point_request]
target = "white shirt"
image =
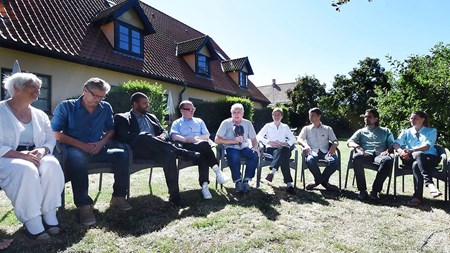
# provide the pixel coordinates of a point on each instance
(270, 132)
(11, 128)
(318, 138)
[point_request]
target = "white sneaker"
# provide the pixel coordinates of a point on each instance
(221, 178)
(206, 193)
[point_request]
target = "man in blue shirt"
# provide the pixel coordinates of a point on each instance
(193, 134)
(371, 144)
(85, 126)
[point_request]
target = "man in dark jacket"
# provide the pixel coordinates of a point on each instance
(149, 140)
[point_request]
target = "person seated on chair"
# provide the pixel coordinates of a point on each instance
(192, 133)
(315, 139)
(234, 134)
(149, 140)
(85, 128)
(30, 175)
(279, 142)
(372, 145)
(415, 146)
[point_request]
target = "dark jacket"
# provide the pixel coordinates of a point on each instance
(127, 128)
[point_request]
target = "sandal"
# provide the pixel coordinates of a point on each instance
(414, 202)
(435, 193)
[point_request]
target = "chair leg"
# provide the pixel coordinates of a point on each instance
(150, 181)
(258, 176)
(62, 208)
(295, 177)
(340, 184)
(100, 182)
(395, 185)
(302, 178)
(403, 183)
(346, 177)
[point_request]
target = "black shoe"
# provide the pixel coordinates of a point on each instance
(331, 187)
(310, 186)
(291, 190)
(374, 196)
(191, 155)
(176, 200)
(363, 195)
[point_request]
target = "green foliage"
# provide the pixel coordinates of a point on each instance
(264, 115)
(422, 83)
(119, 97)
(305, 95)
(352, 96)
(213, 113)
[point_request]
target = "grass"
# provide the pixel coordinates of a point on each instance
(266, 220)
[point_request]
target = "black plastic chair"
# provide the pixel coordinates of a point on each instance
(372, 166)
(321, 163)
(222, 158)
(440, 172)
(265, 160)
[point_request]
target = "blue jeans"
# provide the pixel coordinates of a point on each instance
(77, 169)
(234, 160)
(321, 178)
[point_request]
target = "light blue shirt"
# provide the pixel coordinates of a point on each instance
(189, 128)
(409, 139)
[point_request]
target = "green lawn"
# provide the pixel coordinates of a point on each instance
(266, 220)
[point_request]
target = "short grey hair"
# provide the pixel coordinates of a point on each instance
(237, 106)
(97, 83)
(19, 81)
(185, 102)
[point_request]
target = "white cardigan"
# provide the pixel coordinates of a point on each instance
(10, 129)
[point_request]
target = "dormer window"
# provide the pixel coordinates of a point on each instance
(129, 40)
(198, 54)
(243, 79)
(203, 63)
(238, 70)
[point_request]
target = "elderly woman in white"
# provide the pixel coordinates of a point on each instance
(30, 176)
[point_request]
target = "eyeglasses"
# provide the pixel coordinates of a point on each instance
(96, 96)
(189, 110)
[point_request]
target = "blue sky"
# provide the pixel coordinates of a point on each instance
(290, 38)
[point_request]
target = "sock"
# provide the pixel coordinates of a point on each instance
(205, 185)
(215, 168)
(35, 226)
(274, 171)
(289, 184)
(50, 218)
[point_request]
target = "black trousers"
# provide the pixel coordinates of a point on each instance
(384, 168)
(281, 158)
(149, 147)
(422, 166)
(206, 160)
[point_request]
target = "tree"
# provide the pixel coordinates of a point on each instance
(339, 3)
(305, 95)
(352, 96)
(422, 83)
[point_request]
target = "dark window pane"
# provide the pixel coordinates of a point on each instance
(123, 45)
(136, 49)
(135, 34)
(124, 30)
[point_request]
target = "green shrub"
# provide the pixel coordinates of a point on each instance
(213, 113)
(119, 97)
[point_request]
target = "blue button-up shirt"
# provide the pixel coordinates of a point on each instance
(72, 119)
(189, 128)
(410, 138)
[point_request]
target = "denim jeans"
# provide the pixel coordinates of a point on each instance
(77, 169)
(321, 178)
(234, 161)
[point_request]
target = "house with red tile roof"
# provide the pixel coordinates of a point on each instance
(66, 42)
(277, 93)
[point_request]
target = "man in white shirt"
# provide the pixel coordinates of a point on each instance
(279, 142)
(316, 139)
